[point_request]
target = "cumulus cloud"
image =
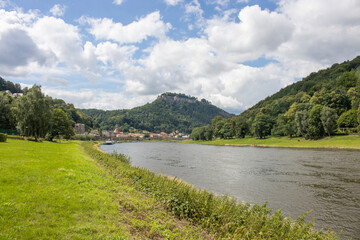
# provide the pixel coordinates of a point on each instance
(137, 31)
(58, 10)
(18, 49)
(257, 33)
(99, 99)
(299, 37)
(325, 31)
(219, 2)
(118, 2)
(173, 2)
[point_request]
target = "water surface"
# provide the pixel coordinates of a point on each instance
(295, 180)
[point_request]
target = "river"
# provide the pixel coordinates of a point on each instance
(295, 180)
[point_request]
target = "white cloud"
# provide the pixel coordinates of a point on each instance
(58, 10)
(219, 2)
(173, 2)
(325, 31)
(99, 99)
(194, 7)
(257, 33)
(137, 31)
(300, 36)
(118, 2)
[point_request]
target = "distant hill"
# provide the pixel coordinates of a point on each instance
(169, 112)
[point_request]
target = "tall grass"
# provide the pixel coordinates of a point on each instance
(222, 216)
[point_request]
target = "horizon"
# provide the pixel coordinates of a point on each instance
(115, 55)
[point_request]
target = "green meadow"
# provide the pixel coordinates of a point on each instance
(71, 190)
(335, 142)
(55, 191)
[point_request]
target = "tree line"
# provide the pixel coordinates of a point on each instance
(39, 116)
(323, 104)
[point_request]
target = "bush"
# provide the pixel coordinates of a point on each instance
(83, 137)
(3, 137)
(121, 157)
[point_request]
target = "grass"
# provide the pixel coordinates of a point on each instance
(55, 191)
(336, 142)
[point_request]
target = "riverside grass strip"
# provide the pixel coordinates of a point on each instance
(221, 216)
(351, 142)
(55, 191)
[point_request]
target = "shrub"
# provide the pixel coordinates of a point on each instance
(83, 137)
(3, 137)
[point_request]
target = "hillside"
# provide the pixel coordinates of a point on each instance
(339, 78)
(169, 112)
(324, 103)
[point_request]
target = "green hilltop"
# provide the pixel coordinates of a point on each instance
(168, 113)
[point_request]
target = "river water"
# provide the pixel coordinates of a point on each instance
(295, 180)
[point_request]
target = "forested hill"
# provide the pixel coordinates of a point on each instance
(324, 103)
(169, 112)
(315, 89)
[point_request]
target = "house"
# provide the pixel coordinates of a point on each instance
(17, 94)
(94, 132)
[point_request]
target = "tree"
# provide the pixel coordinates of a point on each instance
(283, 126)
(347, 80)
(6, 117)
(348, 119)
(215, 120)
(208, 133)
(302, 122)
(226, 131)
(262, 125)
(218, 128)
(316, 129)
(328, 119)
(61, 125)
(32, 113)
(241, 128)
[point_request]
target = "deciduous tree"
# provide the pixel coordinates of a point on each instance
(33, 114)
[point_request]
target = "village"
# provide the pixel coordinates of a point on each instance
(132, 135)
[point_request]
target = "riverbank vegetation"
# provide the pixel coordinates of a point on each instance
(323, 104)
(334, 142)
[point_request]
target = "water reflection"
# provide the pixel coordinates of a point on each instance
(295, 180)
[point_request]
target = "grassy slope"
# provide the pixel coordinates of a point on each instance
(340, 142)
(54, 191)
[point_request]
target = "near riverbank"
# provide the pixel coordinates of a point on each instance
(71, 190)
(334, 142)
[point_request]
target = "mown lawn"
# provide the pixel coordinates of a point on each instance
(340, 142)
(55, 191)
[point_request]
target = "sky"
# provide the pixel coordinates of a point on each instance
(119, 54)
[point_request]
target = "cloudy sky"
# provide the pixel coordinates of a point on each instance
(115, 54)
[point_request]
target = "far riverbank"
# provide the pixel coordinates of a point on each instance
(333, 142)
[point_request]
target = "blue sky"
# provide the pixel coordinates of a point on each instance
(119, 54)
